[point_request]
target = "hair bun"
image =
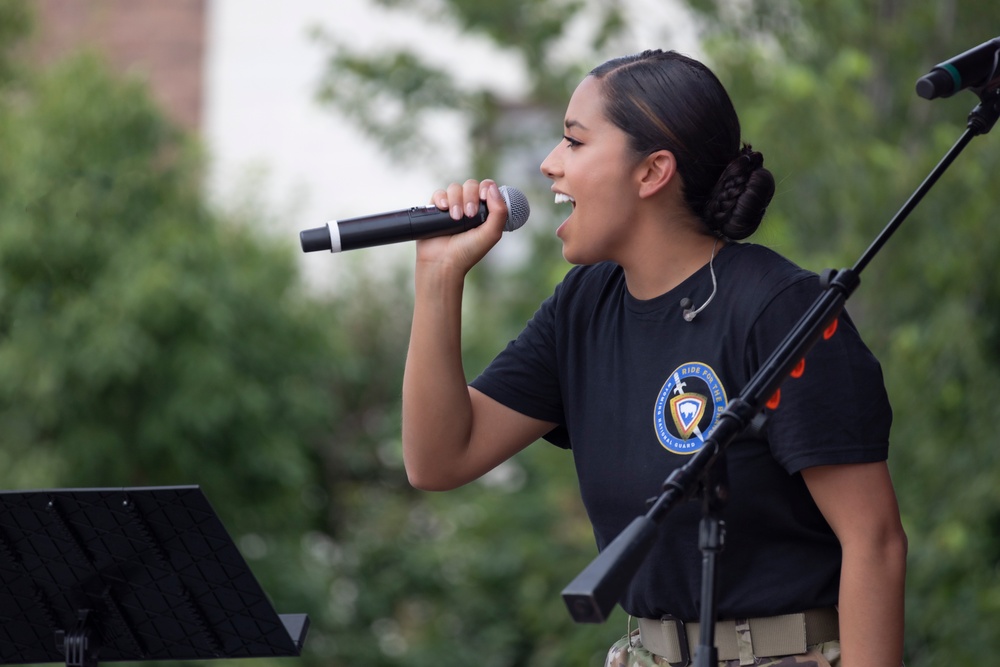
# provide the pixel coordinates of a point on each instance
(741, 196)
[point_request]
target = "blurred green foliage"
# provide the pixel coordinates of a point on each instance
(147, 339)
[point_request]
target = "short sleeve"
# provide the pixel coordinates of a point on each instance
(525, 375)
(837, 411)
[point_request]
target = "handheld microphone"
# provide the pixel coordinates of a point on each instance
(976, 69)
(419, 222)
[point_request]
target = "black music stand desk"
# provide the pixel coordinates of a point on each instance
(90, 575)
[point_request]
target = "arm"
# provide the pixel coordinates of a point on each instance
(859, 503)
(453, 434)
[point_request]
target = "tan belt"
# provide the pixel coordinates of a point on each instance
(789, 634)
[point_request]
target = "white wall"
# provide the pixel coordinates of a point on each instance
(272, 145)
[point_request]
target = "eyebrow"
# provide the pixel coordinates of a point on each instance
(574, 123)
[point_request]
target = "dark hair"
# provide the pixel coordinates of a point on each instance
(667, 101)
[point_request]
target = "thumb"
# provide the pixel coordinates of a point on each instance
(496, 205)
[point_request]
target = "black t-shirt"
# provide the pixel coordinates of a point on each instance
(634, 388)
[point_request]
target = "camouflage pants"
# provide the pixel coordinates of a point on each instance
(628, 652)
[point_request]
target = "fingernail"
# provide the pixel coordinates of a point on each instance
(443, 203)
(456, 212)
(470, 210)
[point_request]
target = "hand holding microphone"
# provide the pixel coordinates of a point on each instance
(419, 222)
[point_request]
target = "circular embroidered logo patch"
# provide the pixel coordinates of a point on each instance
(690, 401)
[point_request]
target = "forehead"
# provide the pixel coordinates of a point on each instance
(586, 106)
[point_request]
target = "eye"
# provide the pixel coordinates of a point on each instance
(573, 143)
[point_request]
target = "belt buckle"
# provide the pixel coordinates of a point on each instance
(682, 640)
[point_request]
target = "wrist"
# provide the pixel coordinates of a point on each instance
(438, 282)
(439, 272)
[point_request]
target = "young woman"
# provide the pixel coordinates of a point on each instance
(631, 360)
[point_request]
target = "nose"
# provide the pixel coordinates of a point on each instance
(550, 165)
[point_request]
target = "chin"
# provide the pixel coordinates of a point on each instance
(567, 253)
(578, 258)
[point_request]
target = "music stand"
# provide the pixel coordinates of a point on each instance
(129, 574)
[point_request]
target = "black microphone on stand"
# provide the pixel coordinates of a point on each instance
(976, 68)
(419, 222)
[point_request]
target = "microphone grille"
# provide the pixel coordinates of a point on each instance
(517, 207)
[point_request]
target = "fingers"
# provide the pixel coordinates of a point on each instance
(456, 201)
(470, 195)
(463, 250)
(463, 199)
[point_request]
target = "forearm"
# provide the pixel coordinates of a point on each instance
(437, 412)
(871, 603)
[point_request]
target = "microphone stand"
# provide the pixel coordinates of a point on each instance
(591, 596)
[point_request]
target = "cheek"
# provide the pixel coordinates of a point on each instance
(598, 226)
(600, 201)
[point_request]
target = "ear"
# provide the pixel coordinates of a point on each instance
(655, 172)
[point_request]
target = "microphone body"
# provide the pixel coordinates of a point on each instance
(410, 224)
(976, 69)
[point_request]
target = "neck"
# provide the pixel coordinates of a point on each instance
(658, 268)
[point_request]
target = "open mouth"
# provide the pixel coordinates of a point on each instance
(564, 199)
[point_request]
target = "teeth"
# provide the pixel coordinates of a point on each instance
(564, 199)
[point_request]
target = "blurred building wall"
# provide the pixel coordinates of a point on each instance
(162, 41)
